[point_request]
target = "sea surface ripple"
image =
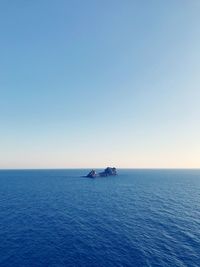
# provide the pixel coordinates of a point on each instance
(139, 218)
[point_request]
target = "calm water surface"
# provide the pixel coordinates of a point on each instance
(139, 218)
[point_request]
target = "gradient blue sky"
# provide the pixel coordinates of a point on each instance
(96, 83)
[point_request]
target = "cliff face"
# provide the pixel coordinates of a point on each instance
(92, 174)
(107, 172)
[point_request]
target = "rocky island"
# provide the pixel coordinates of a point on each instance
(109, 171)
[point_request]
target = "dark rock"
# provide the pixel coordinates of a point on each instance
(107, 172)
(92, 174)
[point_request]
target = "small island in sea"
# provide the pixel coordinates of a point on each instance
(109, 171)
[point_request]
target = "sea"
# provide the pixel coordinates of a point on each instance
(57, 218)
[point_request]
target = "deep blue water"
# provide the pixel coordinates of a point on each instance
(139, 218)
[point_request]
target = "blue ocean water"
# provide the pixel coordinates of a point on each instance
(139, 218)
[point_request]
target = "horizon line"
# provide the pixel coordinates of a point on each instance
(120, 168)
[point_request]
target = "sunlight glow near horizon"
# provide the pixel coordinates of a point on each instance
(95, 84)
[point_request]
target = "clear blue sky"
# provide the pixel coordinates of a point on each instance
(96, 83)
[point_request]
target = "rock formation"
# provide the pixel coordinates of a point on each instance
(92, 174)
(107, 172)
